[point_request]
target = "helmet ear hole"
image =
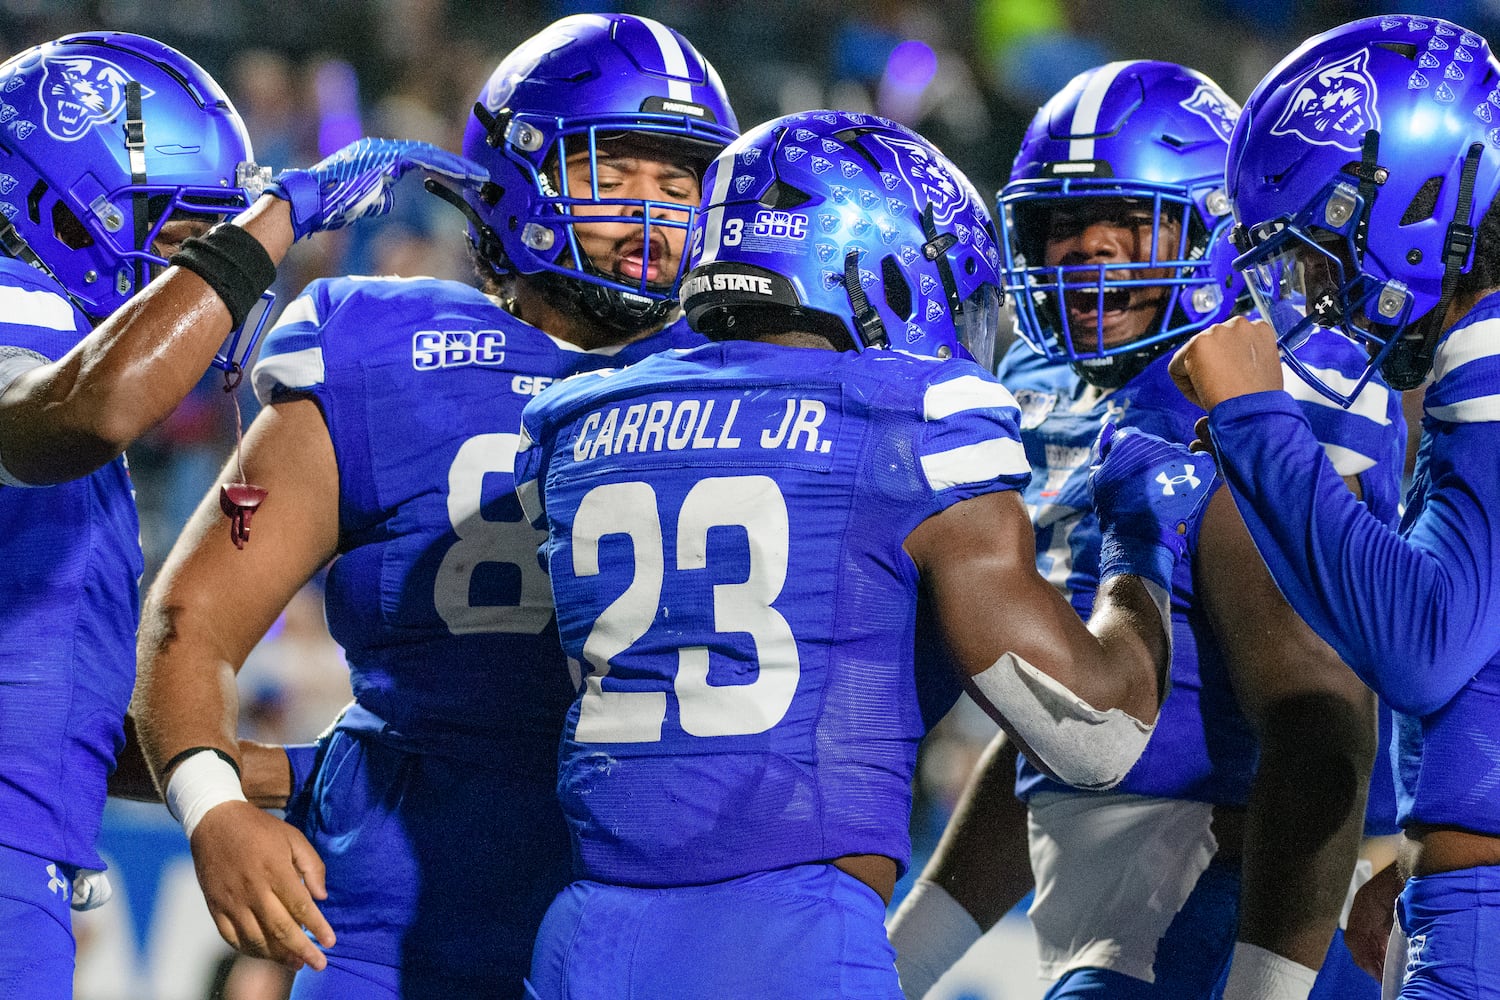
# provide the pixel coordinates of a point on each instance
(70, 232)
(897, 291)
(1424, 202)
(782, 196)
(34, 202)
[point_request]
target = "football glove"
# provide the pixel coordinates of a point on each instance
(1150, 496)
(357, 182)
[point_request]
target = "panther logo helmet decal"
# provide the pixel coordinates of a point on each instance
(80, 92)
(1333, 105)
(1208, 103)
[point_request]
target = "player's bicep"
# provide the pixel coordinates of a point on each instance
(977, 559)
(233, 593)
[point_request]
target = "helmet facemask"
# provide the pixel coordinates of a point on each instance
(1108, 280)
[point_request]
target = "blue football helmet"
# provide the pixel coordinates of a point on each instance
(1139, 144)
(103, 137)
(1359, 172)
(579, 83)
(849, 225)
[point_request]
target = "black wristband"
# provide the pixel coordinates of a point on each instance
(178, 758)
(234, 264)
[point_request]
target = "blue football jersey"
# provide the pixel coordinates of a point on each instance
(725, 544)
(1203, 747)
(437, 596)
(1415, 615)
(68, 608)
(448, 761)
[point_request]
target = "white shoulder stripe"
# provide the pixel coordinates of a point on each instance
(967, 392)
(975, 463)
(35, 307)
(1347, 461)
(674, 59)
(531, 502)
(1372, 402)
(295, 370)
(1086, 114)
(1481, 340)
(301, 310)
(1478, 410)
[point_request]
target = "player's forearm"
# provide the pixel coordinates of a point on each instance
(185, 691)
(1132, 649)
(191, 643)
(63, 420)
(982, 859)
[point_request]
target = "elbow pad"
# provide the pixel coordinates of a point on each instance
(1063, 735)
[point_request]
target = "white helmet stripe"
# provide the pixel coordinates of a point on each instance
(715, 217)
(1086, 114)
(673, 59)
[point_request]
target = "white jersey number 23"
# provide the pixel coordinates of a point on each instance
(622, 716)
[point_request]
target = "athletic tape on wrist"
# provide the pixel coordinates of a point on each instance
(233, 263)
(1259, 974)
(930, 932)
(199, 783)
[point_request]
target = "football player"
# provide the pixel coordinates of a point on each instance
(387, 445)
(1364, 175)
(740, 538)
(119, 154)
(1115, 223)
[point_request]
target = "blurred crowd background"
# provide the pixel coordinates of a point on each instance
(311, 75)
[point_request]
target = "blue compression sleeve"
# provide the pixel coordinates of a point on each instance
(1413, 617)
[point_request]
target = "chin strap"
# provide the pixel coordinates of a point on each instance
(936, 250)
(866, 319)
(135, 146)
(1113, 371)
(1371, 176)
(484, 237)
(1458, 244)
(622, 311)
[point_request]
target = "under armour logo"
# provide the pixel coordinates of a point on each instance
(1168, 483)
(57, 883)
